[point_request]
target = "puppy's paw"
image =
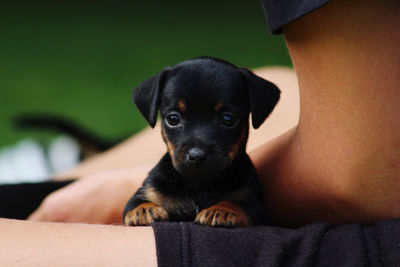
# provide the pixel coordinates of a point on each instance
(145, 214)
(224, 214)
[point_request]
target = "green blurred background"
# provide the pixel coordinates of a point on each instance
(82, 60)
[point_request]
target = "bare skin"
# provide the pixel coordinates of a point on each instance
(59, 244)
(342, 162)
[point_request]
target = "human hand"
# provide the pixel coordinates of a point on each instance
(97, 198)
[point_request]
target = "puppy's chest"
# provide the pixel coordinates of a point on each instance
(183, 206)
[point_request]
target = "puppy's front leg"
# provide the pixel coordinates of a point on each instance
(225, 214)
(139, 211)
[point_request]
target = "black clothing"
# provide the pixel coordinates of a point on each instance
(320, 244)
(280, 13)
(18, 201)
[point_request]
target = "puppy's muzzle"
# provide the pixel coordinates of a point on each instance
(200, 164)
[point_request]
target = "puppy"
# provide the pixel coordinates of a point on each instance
(206, 175)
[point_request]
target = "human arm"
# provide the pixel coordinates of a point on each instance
(24, 243)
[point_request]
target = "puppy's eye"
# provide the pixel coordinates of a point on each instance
(173, 119)
(229, 120)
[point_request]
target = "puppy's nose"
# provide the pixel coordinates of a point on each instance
(196, 155)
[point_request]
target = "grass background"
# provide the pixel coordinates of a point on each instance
(83, 59)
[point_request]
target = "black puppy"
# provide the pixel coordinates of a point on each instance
(206, 176)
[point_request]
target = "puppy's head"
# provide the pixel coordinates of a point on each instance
(205, 105)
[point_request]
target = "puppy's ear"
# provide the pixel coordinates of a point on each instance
(263, 96)
(147, 96)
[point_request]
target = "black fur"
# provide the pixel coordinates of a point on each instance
(204, 105)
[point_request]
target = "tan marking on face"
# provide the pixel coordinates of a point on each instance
(182, 105)
(218, 106)
(171, 147)
(235, 147)
(181, 155)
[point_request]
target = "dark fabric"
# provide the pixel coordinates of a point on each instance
(320, 244)
(18, 201)
(280, 13)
